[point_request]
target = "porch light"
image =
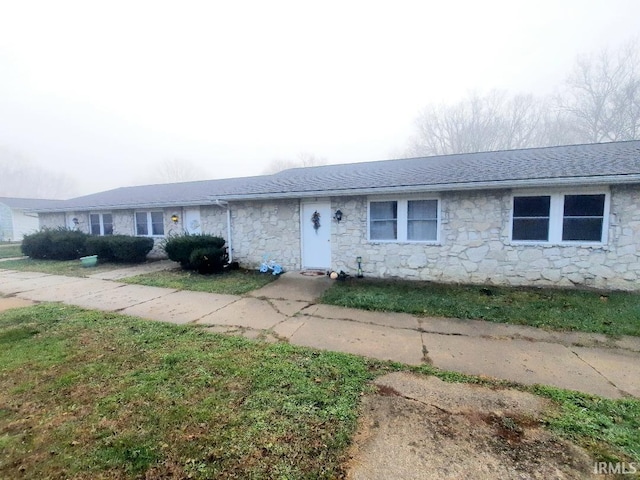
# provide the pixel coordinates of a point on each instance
(338, 215)
(175, 218)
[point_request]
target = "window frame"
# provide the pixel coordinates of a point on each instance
(402, 225)
(101, 224)
(556, 215)
(148, 214)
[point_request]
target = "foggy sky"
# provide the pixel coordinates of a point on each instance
(102, 91)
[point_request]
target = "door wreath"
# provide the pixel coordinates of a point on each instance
(315, 219)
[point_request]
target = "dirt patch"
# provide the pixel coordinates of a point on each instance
(7, 303)
(423, 428)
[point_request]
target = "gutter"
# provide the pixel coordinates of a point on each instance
(466, 186)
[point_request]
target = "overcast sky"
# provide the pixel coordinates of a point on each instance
(102, 91)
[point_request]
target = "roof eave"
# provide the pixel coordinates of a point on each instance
(432, 188)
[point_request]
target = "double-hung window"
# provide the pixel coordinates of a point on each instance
(101, 223)
(149, 223)
(559, 218)
(403, 220)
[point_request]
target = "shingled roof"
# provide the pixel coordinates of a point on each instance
(18, 203)
(600, 163)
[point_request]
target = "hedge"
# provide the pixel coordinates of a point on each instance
(65, 244)
(119, 248)
(55, 244)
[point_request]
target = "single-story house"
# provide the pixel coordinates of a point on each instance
(566, 215)
(17, 217)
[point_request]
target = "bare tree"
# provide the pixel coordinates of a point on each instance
(491, 122)
(602, 95)
(21, 177)
(304, 159)
(175, 170)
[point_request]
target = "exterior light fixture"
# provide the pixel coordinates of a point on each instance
(359, 260)
(175, 218)
(338, 215)
(75, 221)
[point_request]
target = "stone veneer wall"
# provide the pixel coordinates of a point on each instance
(214, 221)
(266, 228)
(475, 248)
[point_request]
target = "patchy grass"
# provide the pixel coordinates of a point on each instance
(233, 282)
(99, 395)
(72, 268)
(10, 250)
(612, 313)
(604, 427)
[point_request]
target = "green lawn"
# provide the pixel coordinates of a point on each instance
(233, 282)
(71, 268)
(99, 395)
(10, 250)
(613, 313)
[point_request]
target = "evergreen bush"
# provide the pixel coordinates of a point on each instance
(180, 248)
(55, 244)
(120, 248)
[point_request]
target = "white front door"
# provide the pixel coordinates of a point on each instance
(316, 235)
(192, 221)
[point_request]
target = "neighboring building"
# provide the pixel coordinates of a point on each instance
(562, 216)
(17, 218)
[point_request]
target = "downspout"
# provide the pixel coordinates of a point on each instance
(229, 233)
(222, 203)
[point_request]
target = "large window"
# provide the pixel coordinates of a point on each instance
(559, 218)
(383, 220)
(101, 223)
(149, 223)
(404, 220)
(531, 218)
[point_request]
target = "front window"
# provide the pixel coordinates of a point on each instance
(403, 220)
(101, 224)
(531, 218)
(384, 220)
(149, 223)
(422, 220)
(558, 218)
(583, 217)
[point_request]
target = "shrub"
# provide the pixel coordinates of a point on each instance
(58, 244)
(120, 248)
(208, 260)
(179, 248)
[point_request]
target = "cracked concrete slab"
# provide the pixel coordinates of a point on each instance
(520, 361)
(622, 368)
(23, 275)
(288, 307)
(119, 298)
(21, 285)
(394, 320)
(247, 312)
(294, 286)
(181, 307)
(66, 291)
(288, 327)
(368, 340)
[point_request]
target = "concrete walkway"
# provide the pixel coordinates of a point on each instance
(285, 311)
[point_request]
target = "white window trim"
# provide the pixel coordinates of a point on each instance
(149, 223)
(556, 215)
(403, 218)
(100, 214)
